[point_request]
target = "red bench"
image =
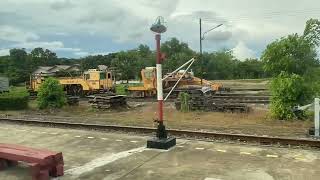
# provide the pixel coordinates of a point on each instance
(43, 163)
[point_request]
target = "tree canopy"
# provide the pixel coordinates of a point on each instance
(128, 64)
(294, 65)
(292, 54)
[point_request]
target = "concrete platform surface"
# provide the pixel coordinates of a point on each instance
(91, 155)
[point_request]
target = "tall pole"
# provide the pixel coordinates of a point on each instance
(201, 63)
(161, 141)
(159, 80)
(316, 117)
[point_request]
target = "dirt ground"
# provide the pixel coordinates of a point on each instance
(245, 83)
(256, 122)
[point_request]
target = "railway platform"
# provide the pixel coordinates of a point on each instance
(92, 155)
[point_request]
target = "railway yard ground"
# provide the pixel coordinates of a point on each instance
(256, 122)
(124, 156)
(141, 113)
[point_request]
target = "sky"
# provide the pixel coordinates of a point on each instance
(78, 28)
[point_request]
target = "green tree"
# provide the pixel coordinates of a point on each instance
(91, 62)
(51, 94)
(17, 66)
(219, 65)
(177, 53)
(312, 31)
(249, 69)
(41, 57)
(4, 60)
(288, 90)
(126, 64)
(292, 54)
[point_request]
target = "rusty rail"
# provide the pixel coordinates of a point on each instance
(200, 135)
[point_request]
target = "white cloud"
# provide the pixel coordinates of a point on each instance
(128, 21)
(241, 51)
(54, 46)
(4, 52)
(100, 53)
(48, 45)
(81, 53)
(61, 34)
(9, 33)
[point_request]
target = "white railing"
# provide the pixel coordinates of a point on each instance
(316, 116)
(316, 109)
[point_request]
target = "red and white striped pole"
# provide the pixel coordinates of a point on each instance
(159, 80)
(161, 141)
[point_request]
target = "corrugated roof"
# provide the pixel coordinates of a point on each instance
(52, 69)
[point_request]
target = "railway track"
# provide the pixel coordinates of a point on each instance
(245, 99)
(199, 135)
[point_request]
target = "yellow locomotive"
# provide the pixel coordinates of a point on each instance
(89, 82)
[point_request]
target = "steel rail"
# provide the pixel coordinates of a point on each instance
(265, 140)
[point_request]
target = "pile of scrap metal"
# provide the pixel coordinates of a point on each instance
(204, 100)
(177, 81)
(108, 102)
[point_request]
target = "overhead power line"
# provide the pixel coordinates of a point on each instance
(311, 13)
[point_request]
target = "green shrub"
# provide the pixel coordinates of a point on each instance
(15, 99)
(287, 91)
(121, 89)
(184, 99)
(51, 94)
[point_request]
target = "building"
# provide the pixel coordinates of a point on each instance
(4, 84)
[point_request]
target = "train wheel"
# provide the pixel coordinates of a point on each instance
(75, 90)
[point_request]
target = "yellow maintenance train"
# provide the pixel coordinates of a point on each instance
(90, 82)
(187, 81)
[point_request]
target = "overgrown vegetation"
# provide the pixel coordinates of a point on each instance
(17, 98)
(121, 89)
(184, 100)
(293, 62)
(288, 90)
(51, 94)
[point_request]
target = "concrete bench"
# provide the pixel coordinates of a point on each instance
(43, 163)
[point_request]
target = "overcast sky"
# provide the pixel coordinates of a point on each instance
(76, 28)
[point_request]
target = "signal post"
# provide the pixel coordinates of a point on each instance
(161, 141)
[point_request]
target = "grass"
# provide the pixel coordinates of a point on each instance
(15, 92)
(121, 89)
(16, 99)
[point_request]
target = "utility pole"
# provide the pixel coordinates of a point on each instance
(201, 63)
(202, 38)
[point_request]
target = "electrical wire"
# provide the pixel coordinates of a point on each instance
(262, 16)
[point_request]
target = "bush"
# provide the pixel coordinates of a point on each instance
(51, 94)
(15, 99)
(184, 99)
(121, 89)
(287, 91)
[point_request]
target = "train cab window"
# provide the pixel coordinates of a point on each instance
(87, 76)
(109, 75)
(148, 74)
(102, 75)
